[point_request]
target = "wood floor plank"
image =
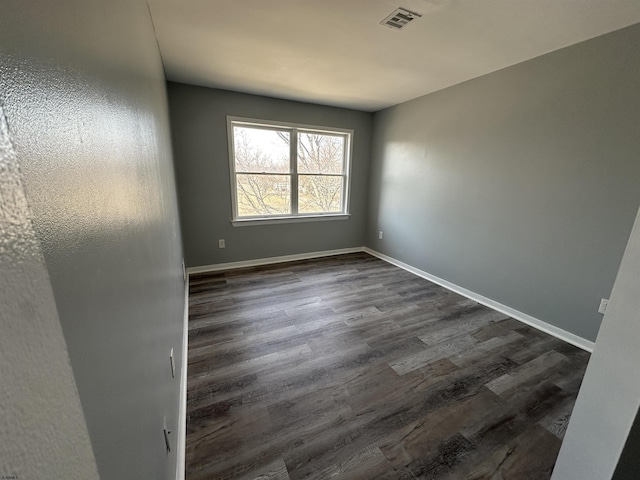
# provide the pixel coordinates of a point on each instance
(487, 348)
(347, 367)
(365, 464)
(423, 438)
(529, 457)
(527, 375)
(276, 470)
(557, 420)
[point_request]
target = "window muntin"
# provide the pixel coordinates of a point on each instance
(287, 171)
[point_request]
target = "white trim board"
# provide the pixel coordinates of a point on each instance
(271, 260)
(568, 337)
(182, 409)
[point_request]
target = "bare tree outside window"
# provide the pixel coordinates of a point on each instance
(265, 173)
(262, 166)
(320, 168)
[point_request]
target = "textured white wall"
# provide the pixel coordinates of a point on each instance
(43, 432)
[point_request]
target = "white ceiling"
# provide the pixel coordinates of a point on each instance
(335, 52)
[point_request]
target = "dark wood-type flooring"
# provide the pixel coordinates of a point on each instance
(350, 368)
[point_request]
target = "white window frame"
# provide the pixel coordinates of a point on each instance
(293, 129)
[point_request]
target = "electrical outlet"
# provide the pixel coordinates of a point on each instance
(380, 235)
(221, 243)
(604, 303)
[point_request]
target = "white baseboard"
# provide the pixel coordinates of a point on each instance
(182, 412)
(520, 316)
(270, 260)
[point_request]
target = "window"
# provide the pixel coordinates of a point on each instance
(286, 172)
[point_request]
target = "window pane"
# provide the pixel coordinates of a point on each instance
(320, 153)
(319, 194)
(263, 194)
(257, 150)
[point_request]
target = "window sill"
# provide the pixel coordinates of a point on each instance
(276, 220)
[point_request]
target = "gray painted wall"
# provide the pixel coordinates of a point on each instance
(199, 130)
(521, 185)
(609, 397)
(82, 87)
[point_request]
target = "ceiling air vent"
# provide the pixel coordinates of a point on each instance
(399, 18)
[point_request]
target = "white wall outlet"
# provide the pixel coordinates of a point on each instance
(603, 305)
(221, 243)
(173, 364)
(380, 235)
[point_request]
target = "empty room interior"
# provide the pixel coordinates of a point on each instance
(364, 239)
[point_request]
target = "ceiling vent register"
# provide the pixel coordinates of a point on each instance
(399, 18)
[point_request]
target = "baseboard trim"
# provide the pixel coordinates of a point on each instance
(568, 337)
(182, 412)
(271, 260)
